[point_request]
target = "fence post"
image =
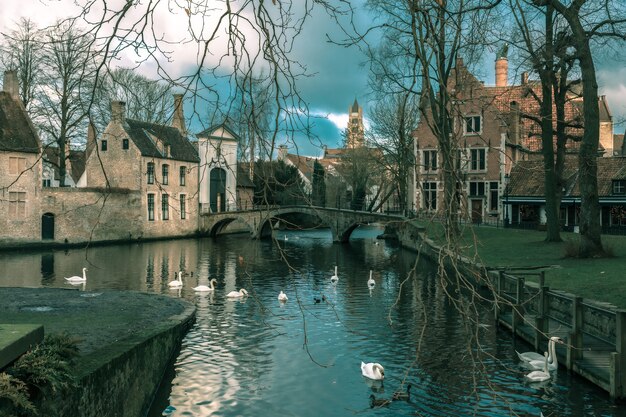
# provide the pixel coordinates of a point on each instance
(541, 321)
(575, 345)
(498, 297)
(617, 369)
(518, 308)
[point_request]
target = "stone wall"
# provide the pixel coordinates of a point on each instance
(88, 214)
(125, 385)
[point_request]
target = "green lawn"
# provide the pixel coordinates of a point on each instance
(598, 279)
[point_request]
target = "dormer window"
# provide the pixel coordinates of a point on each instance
(166, 151)
(619, 187)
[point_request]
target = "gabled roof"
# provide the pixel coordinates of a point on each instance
(143, 134)
(212, 131)
(17, 133)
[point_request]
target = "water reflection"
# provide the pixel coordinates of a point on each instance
(256, 356)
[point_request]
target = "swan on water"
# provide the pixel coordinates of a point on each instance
(237, 294)
(334, 278)
(177, 282)
(282, 296)
(534, 356)
(553, 363)
(370, 282)
(540, 376)
(373, 371)
(77, 278)
(204, 288)
(402, 395)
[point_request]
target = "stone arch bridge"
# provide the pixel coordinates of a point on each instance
(261, 222)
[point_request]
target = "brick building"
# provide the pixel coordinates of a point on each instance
(494, 128)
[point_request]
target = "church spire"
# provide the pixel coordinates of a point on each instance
(355, 133)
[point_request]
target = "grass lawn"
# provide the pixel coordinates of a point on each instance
(598, 279)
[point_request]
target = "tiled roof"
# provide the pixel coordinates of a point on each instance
(142, 134)
(304, 164)
(527, 177)
(77, 161)
(17, 133)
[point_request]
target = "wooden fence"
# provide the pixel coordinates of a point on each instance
(594, 334)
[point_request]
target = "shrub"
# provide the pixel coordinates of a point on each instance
(40, 372)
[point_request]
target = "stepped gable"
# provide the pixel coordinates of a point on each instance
(17, 133)
(143, 134)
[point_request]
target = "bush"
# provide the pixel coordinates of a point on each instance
(39, 373)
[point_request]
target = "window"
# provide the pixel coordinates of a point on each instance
(151, 207)
(477, 159)
(472, 125)
(493, 196)
(166, 173)
(165, 206)
(46, 182)
(16, 165)
(150, 172)
(183, 173)
(430, 160)
(477, 188)
(619, 186)
(124, 143)
(183, 207)
(430, 195)
(103, 145)
(17, 205)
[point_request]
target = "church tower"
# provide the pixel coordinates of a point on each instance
(355, 133)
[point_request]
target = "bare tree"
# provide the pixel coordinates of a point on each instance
(545, 43)
(21, 51)
(589, 20)
(393, 120)
(61, 105)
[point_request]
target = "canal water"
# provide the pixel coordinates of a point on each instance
(259, 357)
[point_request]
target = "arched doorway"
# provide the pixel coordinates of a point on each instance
(217, 190)
(47, 226)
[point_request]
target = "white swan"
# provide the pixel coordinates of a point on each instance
(204, 288)
(237, 294)
(177, 282)
(553, 362)
(370, 282)
(540, 376)
(286, 238)
(534, 356)
(334, 278)
(78, 279)
(373, 370)
(282, 296)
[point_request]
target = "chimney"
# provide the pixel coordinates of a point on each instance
(502, 72)
(178, 118)
(91, 139)
(282, 152)
(11, 85)
(118, 111)
(524, 78)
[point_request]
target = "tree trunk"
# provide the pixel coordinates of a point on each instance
(553, 225)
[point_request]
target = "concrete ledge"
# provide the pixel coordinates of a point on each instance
(127, 339)
(16, 339)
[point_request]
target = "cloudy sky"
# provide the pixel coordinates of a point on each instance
(339, 75)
